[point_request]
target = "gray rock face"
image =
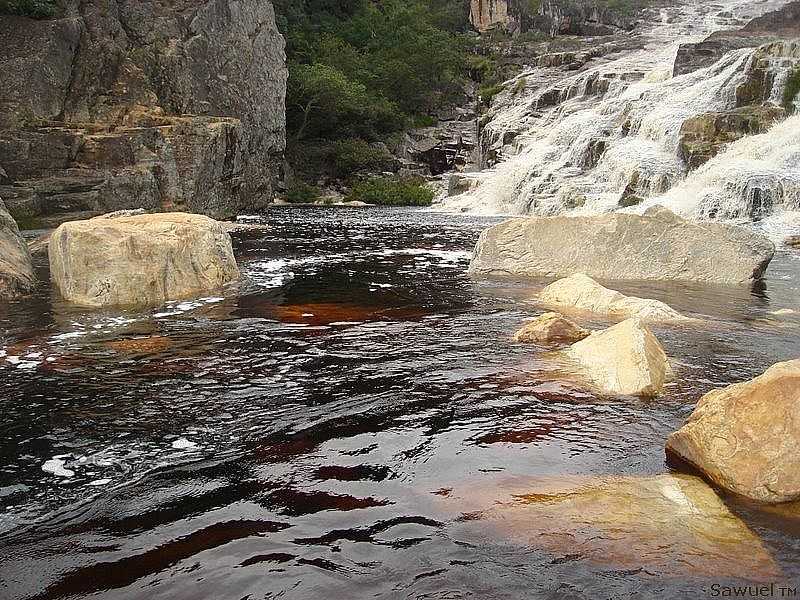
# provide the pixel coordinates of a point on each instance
(158, 105)
(16, 269)
(656, 246)
(554, 17)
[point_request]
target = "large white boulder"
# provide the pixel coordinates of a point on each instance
(140, 260)
(582, 292)
(624, 359)
(658, 245)
(746, 437)
(16, 268)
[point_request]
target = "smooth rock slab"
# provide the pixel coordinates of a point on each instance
(549, 328)
(16, 268)
(657, 246)
(624, 359)
(668, 525)
(746, 437)
(140, 260)
(582, 292)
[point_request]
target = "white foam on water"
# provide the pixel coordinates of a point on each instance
(55, 466)
(184, 444)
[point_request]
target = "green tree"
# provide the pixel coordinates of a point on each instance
(322, 100)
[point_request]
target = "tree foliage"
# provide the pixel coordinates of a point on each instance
(38, 9)
(359, 68)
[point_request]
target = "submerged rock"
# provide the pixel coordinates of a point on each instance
(624, 359)
(582, 292)
(674, 524)
(140, 260)
(16, 268)
(658, 245)
(746, 437)
(551, 327)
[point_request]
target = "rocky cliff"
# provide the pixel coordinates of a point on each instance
(553, 17)
(117, 104)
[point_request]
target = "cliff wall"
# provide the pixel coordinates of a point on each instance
(114, 104)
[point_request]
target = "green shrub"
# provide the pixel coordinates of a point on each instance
(353, 155)
(791, 90)
(393, 191)
(488, 92)
(300, 192)
(38, 9)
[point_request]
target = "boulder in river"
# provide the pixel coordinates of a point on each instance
(140, 260)
(549, 328)
(582, 292)
(624, 359)
(658, 245)
(16, 268)
(746, 437)
(674, 525)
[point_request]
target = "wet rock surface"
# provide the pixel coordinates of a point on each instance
(674, 523)
(550, 328)
(746, 437)
(16, 269)
(582, 292)
(783, 23)
(704, 136)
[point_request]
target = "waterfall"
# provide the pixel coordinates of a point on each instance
(610, 137)
(748, 180)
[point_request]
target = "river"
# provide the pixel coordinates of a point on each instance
(327, 429)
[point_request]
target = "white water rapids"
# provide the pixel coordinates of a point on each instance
(580, 141)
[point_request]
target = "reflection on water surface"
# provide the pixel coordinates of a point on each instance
(346, 424)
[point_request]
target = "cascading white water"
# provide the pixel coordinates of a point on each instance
(746, 181)
(585, 141)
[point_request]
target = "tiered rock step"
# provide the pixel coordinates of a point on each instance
(447, 146)
(57, 169)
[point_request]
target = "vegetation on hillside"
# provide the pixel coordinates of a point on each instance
(791, 91)
(392, 191)
(360, 71)
(38, 9)
(363, 69)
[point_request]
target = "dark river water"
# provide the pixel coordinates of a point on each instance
(348, 424)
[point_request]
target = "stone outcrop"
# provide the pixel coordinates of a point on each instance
(584, 293)
(551, 328)
(486, 14)
(704, 136)
(624, 359)
(123, 104)
(782, 24)
(665, 523)
(16, 268)
(140, 260)
(553, 17)
(746, 437)
(658, 245)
